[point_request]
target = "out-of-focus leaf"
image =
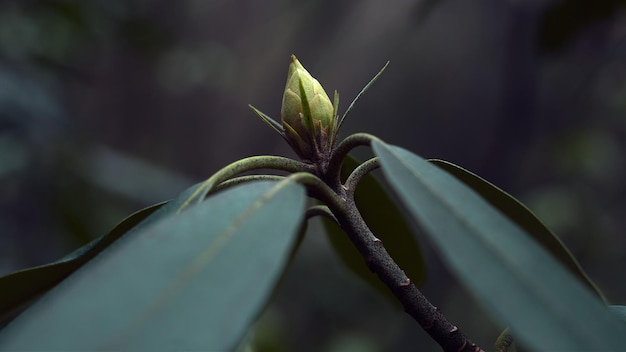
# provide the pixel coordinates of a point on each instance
(189, 281)
(620, 312)
(386, 221)
(21, 288)
(519, 282)
(523, 217)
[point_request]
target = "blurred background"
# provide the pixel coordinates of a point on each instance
(110, 106)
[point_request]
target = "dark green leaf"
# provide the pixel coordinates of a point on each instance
(523, 217)
(190, 281)
(620, 312)
(386, 221)
(515, 278)
(21, 288)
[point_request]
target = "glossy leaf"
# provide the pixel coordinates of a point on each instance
(21, 288)
(386, 221)
(190, 281)
(515, 278)
(522, 216)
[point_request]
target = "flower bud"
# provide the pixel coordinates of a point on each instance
(307, 114)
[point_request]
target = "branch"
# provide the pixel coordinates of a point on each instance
(340, 201)
(321, 210)
(358, 173)
(448, 336)
(318, 189)
(339, 153)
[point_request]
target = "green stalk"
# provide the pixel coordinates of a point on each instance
(244, 165)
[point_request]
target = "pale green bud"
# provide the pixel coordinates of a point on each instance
(307, 114)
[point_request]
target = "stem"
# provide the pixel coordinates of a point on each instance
(358, 173)
(321, 210)
(448, 336)
(334, 165)
(243, 165)
(340, 200)
(318, 189)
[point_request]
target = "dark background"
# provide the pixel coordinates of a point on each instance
(109, 106)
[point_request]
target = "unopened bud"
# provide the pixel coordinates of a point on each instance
(307, 114)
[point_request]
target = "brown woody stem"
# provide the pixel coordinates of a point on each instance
(447, 335)
(340, 201)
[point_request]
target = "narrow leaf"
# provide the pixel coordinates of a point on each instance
(335, 104)
(515, 278)
(523, 217)
(269, 121)
(191, 281)
(365, 89)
